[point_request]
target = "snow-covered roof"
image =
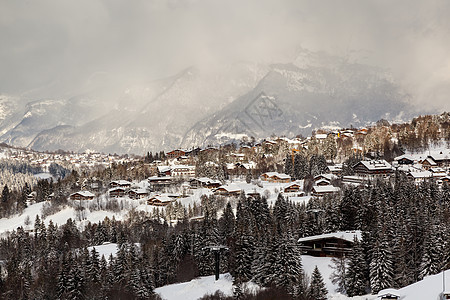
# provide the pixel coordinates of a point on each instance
(325, 189)
(407, 156)
(440, 155)
(388, 292)
(430, 160)
(163, 168)
(328, 176)
(421, 174)
(344, 235)
(297, 182)
(231, 187)
(177, 167)
(279, 175)
(117, 189)
(336, 167)
(139, 191)
(84, 194)
(156, 178)
(321, 136)
(323, 180)
(162, 199)
(121, 182)
(376, 164)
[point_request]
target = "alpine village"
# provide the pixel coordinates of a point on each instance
(339, 214)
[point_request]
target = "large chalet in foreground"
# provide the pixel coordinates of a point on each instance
(335, 244)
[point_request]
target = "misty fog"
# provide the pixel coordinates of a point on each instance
(61, 48)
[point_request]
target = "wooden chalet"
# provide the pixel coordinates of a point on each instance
(164, 171)
(335, 244)
(228, 191)
(428, 163)
(355, 180)
(159, 200)
(420, 176)
(438, 172)
(138, 194)
(164, 180)
(292, 188)
(373, 168)
(176, 153)
(442, 158)
(120, 183)
(404, 160)
(82, 195)
(276, 177)
(183, 171)
(322, 182)
(335, 169)
(204, 182)
(117, 192)
(322, 190)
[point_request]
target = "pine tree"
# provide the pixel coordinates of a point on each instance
(288, 269)
(226, 224)
(75, 284)
(300, 167)
(5, 194)
(317, 289)
(355, 278)
(433, 255)
(288, 166)
(63, 277)
(381, 268)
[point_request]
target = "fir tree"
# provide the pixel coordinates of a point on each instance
(381, 268)
(355, 277)
(317, 289)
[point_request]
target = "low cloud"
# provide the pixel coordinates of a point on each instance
(67, 43)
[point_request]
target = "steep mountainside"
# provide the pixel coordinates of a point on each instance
(293, 99)
(145, 117)
(198, 107)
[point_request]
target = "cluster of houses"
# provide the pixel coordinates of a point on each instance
(419, 167)
(74, 160)
(123, 188)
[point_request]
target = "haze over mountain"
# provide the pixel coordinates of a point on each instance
(151, 75)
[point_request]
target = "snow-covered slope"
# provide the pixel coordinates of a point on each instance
(201, 286)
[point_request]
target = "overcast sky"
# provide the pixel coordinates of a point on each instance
(43, 42)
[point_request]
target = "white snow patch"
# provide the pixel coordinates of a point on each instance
(199, 287)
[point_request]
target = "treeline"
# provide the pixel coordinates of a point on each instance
(405, 236)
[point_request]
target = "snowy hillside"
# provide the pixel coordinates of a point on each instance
(199, 287)
(430, 288)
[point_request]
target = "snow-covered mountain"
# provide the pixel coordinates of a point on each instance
(296, 98)
(143, 117)
(198, 107)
